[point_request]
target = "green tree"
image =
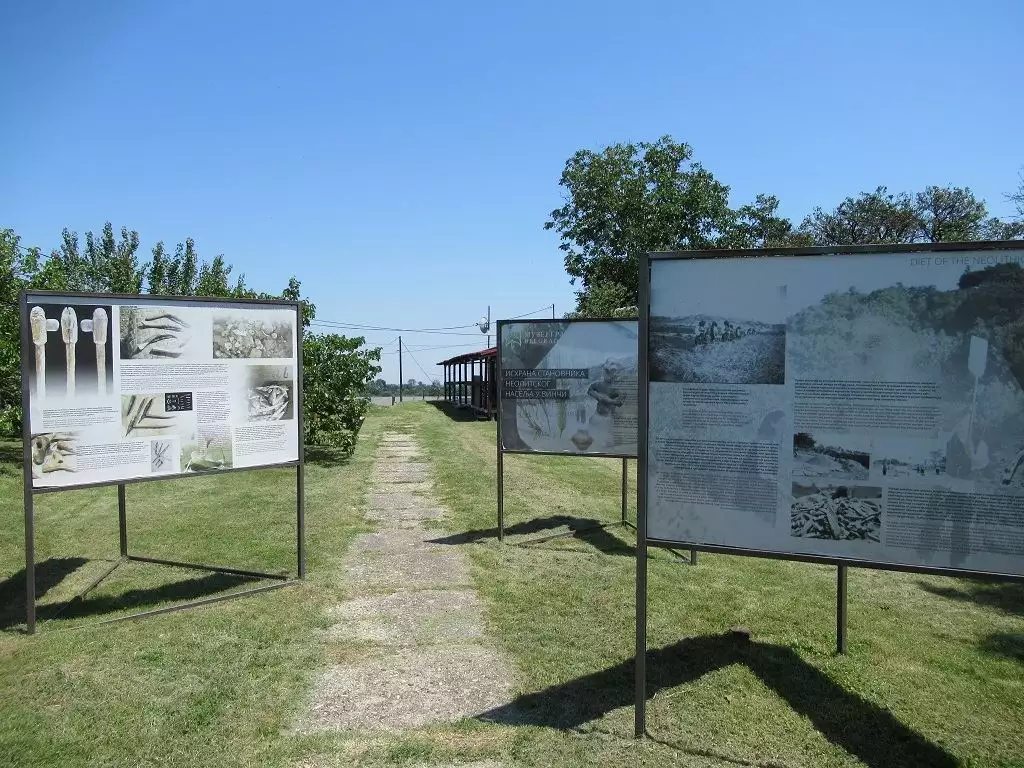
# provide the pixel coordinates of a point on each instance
(332, 411)
(629, 199)
(758, 225)
(934, 215)
(336, 372)
(870, 218)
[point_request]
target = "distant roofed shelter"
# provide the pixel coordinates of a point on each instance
(470, 381)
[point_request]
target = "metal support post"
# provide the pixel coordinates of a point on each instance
(122, 519)
(26, 463)
(841, 610)
(625, 491)
(501, 492)
(300, 516)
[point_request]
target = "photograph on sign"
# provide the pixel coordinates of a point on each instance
(127, 389)
(861, 406)
(569, 386)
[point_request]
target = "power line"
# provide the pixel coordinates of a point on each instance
(545, 308)
(431, 349)
(418, 364)
(360, 327)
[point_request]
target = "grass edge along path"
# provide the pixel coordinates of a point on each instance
(934, 675)
(216, 685)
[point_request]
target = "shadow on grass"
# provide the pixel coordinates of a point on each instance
(326, 456)
(587, 528)
(49, 574)
(1009, 645)
(849, 721)
(11, 453)
(180, 591)
(456, 414)
(1006, 596)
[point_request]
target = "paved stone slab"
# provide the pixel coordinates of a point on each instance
(396, 498)
(416, 569)
(426, 617)
(422, 492)
(400, 473)
(409, 688)
(395, 541)
(397, 516)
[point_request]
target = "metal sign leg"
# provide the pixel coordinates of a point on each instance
(30, 561)
(501, 495)
(841, 610)
(641, 636)
(300, 517)
(625, 491)
(122, 519)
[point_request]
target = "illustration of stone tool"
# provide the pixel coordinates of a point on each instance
(69, 332)
(40, 326)
(98, 327)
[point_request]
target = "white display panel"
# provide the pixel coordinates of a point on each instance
(569, 386)
(132, 388)
(859, 406)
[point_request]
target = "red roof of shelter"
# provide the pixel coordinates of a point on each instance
(483, 354)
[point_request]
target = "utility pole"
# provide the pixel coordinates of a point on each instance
(488, 326)
(399, 369)
(552, 311)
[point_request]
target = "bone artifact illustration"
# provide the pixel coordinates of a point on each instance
(98, 327)
(40, 326)
(69, 331)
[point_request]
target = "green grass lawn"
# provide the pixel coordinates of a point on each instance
(935, 673)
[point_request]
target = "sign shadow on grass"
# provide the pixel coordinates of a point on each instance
(846, 719)
(589, 528)
(93, 605)
(1007, 596)
(49, 573)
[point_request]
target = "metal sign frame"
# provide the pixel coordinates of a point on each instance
(501, 450)
(841, 563)
(30, 492)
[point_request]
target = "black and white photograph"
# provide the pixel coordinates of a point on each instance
(908, 458)
(251, 334)
(71, 354)
(831, 455)
(581, 379)
(206, 451)
(270, 393)
(161, 456)
(54, 452)
(839, 512)
(720, 332)
(157, 333)
(146, 415)
(957, 328)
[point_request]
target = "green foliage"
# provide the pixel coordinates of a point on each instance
(336, 371)
(934, 215)
(629, 199)
(108, 264)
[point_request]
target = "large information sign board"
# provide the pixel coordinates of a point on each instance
(568, 386)
(129, 388)
(856, 405)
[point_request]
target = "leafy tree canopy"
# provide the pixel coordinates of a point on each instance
(333, 400)
(628, 199)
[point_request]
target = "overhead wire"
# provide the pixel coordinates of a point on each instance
(418, 363)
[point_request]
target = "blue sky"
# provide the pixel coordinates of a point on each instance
(401, 158)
